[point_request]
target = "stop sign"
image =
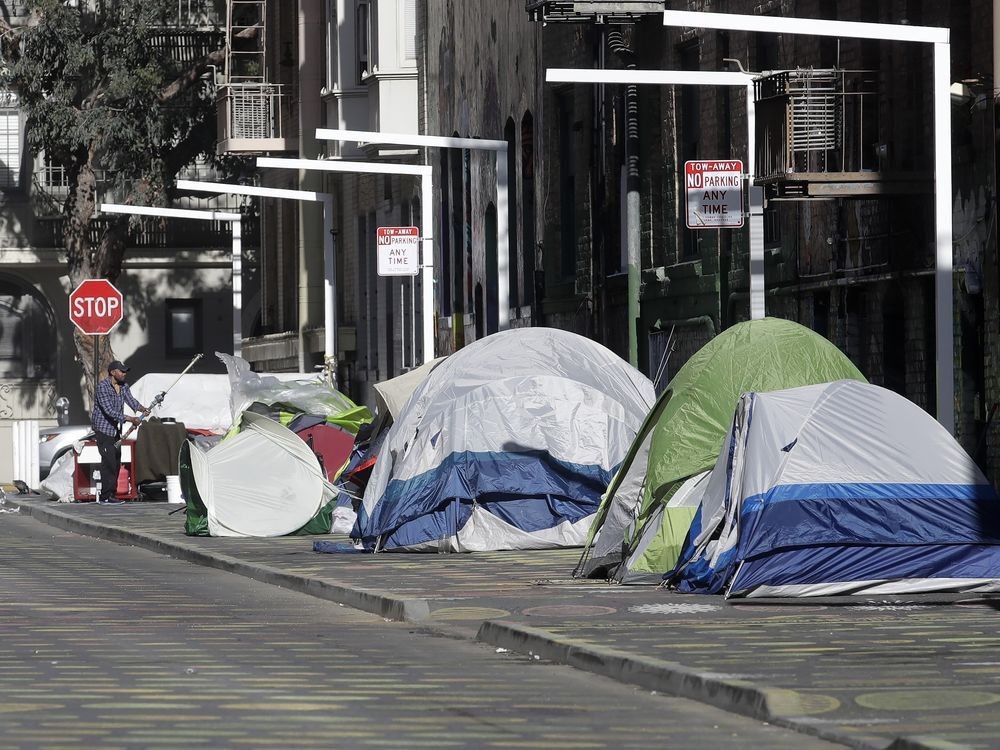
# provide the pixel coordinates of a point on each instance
(95, 307)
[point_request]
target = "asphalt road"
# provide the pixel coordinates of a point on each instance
(106, 646)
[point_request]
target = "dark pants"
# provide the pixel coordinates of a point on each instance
(111, 461)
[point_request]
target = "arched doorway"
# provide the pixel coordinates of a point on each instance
(513, 256)
(480, 315)
(528, 206)
(27, 332)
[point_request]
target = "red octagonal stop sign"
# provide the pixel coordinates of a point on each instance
(95, 307)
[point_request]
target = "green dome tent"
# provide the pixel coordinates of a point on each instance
(644, 517)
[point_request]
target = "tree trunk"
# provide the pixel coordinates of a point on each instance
(86, 262)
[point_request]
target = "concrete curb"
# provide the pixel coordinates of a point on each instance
(733, 696)
(374, 602)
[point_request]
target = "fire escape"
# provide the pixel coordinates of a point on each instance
(818, 136)
(253, 111)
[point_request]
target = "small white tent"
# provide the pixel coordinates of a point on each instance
(263, 482)
(841, 488)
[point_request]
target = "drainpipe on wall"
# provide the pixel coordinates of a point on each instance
(311, 291)
(621, 47)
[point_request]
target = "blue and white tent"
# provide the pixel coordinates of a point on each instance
(841, 488)
(508, 444)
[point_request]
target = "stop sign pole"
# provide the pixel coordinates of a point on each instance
(96, 308)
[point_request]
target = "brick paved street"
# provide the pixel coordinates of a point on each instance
(108, 646)
(863, 672)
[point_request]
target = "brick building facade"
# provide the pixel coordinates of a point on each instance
(857, 268)
(595, 203)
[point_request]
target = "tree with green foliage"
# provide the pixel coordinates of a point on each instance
(109, 96)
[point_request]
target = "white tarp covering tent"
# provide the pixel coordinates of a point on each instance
(841, 488)
(262, 482)
(507, 444)
(200, 401)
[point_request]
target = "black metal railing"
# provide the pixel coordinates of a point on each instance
(592, 11)
(154, 233)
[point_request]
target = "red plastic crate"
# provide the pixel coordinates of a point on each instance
(88, 460)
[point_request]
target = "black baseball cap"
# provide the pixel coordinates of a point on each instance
(117, 365)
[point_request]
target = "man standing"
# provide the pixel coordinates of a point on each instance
(111, 395)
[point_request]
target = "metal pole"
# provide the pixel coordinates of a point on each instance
(632, 219)
(503, 244)
(96, 378)
(413, 321)
(427, 264)
(632, 77)
(402, 323)
(159, 399)
(93, 410)
(330, 316)
(237, 261)
(756, 202)
(756, 252)
(943, 289)
(329, 290)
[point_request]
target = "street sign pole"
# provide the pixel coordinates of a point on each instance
(96, 366)
(96, 307)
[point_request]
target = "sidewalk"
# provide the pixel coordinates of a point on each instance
(919, 673)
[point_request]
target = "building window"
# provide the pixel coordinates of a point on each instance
(528, 205)
(363, 42)
(567, 191)
(409, 27)
(330, 44)
(184, 325)
(54, 178)
(10, 141)
(492, 277)
(513, 275)
(445, 222)
(772, 228)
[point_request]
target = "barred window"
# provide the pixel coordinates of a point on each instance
(54, 175)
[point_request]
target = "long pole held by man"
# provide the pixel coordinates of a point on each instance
(158, 400)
